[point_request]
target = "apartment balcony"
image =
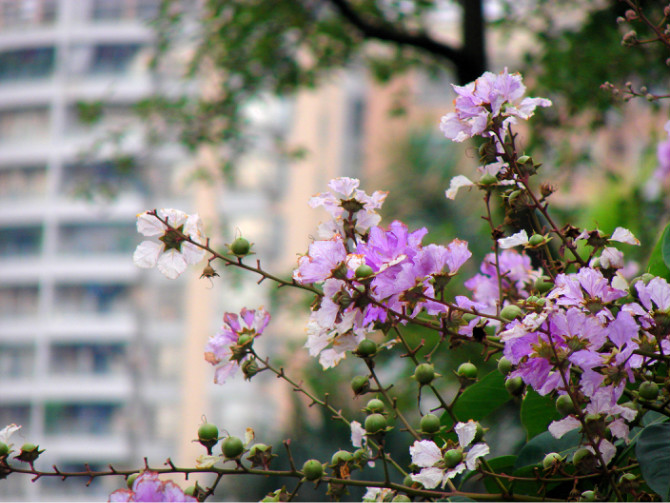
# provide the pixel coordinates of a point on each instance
(85, 388)
(102, 448)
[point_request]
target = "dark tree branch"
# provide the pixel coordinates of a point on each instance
(470, 60)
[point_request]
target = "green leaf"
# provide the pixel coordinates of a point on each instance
(482, 398)
(660, 256)
(537, 412)
(534, 451)
(502, 464)
(653, 454)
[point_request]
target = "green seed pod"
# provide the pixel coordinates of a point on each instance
(400, 498)
(232, 447)
(551, 459)
(587, 496)
(511, 312)
(536, 240)
(131, 480)
(467, 370)
(504, 366)
(341, 457)
(514, 386)
(375, 423)
(366, 348)
(312, 469)
(430, 424)
(564, 405)
(452, 457)
(360, 385)
(424, 373)
(488, 179)
(363, 271)
(208, 432)
(375, 406)
(648, 390)
(240, 247)
(4, 449)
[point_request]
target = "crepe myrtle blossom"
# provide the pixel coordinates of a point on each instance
(378, 494)
(346, 201)
(491, 101)
(430, 458)
(225, 349)
(172, 253)
(7, 432)
(148, 487)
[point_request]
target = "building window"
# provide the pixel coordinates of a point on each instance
(113, 59)
(21, 241)
(92, 298)
(107, 177)
(27, 64)
(17, 414)
(21, 13)
(26, 125)
(147, 10)
(86, 359)
(16, 360)
(96, 238)
(107, 10)
(22, 182)
(83, 419)
(18, 301)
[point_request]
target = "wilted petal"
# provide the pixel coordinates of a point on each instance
(7, 432)
(456, 183)
(121, 495)
(624, 236)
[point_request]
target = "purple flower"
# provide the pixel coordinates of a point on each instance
(222, 347)
(322, 260)
(148, 487)
(487, 98)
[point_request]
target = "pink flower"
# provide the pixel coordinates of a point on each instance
(148, 487)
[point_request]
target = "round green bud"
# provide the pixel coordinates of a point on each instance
(543, 286)
(541, 302)
(514, 386)
(488, 179)
(131, 480)
(430, 423)
(467, 370)
(424, 373)
(190, 491)
(523, 159)
(366, 348)
(401, 498)
(4, 449)
(363, 271)
(360, 384)
(628, 482)
(511, 312)
(341, 457)
(588, 496)
(564, 405)
(407, 481)
(627, 477)
(551, 459)
(232, 447)
(244, 339)
(312, 469)
(27, 447)
(479, 433)
(361, 456)
(536, 240)
(504, 366)
(648, 390)
(375, 406)
(375, 423)
(532, 299)
(256, 448)
(208, 432)
(240, 247)
(452, 457)
(584, 460)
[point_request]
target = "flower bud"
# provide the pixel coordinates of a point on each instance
(467, 370)
(366, 348)
(514, 386)
(587, 496)
(424, 373)
(511, 312)
(400, 498)
(504, 366)
(341, 458)
(240, 247)
(375, 406)
(375, 424)
(312, 469)
(131, 479)
(648, 390)
(208, 432)
(360, 385)
(249, 369)
(551, 459)
(452, 457)
(232, 447)
(536, 240)
(29, 453)
(488, 179)
(564, 405)
(430, 424)
(363, 271)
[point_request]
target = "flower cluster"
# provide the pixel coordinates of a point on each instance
(148, 487)
(369, 272)
(488, 100)
(174, 252)
(438, 465)
(229, 348)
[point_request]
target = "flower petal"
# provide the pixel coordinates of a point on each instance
(147, 253)
(624, 236)
(520, 238)
(456, 183)
(171, 264)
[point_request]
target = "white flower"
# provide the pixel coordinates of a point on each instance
(377, 494)
(520, 238)
(624, 236)
(172, 253)
(428, 456)
(456, 183)
(7, 432)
